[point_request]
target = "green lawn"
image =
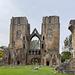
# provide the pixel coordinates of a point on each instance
(27, 70)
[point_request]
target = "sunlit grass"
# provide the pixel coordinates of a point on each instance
(27, 70)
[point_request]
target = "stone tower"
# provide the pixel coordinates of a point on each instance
(72, 29)
(50, 40)
(19, 34)
(19, 51)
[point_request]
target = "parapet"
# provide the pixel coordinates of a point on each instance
(19, 20)
(50, 20)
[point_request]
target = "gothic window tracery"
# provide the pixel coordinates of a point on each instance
(18, 34)
(49, 34)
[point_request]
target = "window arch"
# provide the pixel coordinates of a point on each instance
(18, 34)
(42, 46)
(23, 38)
(49, 34)
(43, 37)
(29, 52)
(35, 43)
(19, 20)
(50, 19)
(24, 46)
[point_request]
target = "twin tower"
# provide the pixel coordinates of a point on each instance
(19, 51)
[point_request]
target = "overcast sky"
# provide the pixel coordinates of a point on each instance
(34, 10)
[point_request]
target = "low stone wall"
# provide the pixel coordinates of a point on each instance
(67, 67)
(66, 72)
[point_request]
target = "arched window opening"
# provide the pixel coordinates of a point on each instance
(6, 59)
(24, 46)
(42, 46)
(35, 32)
(35, 43)
(45, 51)
(32, 52)
(49, 19)
(23, 38)
(35, 52)
(47, 63)
(18, 34)
(39, 52)
(43, 37)
(43, 61)
(18, 62)
(29, 52)
(49, 34)
(19, 20)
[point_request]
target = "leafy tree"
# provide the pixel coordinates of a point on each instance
(65, 55)
(3, 47)
(35, 44)
(68, 43)
(1, 53)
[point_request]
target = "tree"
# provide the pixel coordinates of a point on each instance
(65, 55)
(34, 44)
(1, 53)
(3, 47)
(68, 43)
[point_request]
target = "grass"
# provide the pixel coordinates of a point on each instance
(27, 70)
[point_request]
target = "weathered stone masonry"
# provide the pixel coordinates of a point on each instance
(19, 51)
(72, 29)
(68, 67)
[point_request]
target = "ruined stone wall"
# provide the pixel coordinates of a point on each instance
(51, 33)
(20, 38)
(19, 34)
(50, 39)
(19, 28)
(68, 67)
(72, 29)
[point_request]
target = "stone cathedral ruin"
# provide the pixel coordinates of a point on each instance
(19, 51)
